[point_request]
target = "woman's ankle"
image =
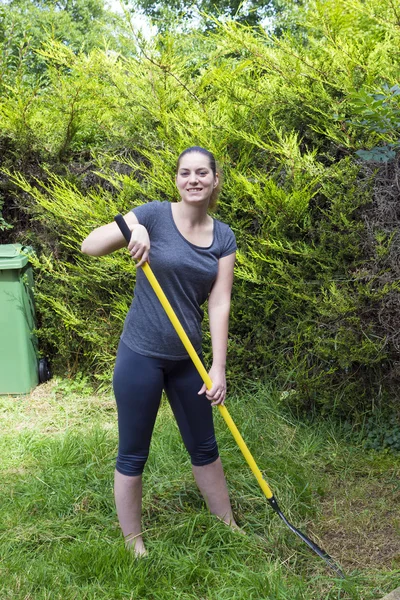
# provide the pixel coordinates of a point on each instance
(135, 543)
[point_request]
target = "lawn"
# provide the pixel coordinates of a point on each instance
(59, 536)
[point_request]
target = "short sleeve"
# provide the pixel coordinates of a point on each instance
(229, 245)
(147, 213)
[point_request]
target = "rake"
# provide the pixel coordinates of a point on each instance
(126, 232)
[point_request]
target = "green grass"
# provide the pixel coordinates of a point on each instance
(59, 535)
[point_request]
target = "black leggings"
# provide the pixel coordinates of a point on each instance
(138, 384)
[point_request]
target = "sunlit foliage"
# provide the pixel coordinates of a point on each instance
(282, 114)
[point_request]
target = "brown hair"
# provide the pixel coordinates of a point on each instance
(214, 169)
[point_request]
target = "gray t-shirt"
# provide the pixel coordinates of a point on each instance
(186, 274)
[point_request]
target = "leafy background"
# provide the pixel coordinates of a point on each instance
(302, 111)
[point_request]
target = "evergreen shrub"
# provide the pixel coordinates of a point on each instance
(280, 114)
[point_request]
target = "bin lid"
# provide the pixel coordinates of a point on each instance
(14, 256)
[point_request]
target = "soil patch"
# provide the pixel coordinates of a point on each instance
(360, 523)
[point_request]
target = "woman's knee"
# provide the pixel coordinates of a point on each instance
(132, 464)
(204, 452)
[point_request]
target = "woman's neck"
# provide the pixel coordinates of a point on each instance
(192, 215)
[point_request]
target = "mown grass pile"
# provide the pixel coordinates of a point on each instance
(59, 536)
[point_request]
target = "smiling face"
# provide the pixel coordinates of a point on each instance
(195, 179)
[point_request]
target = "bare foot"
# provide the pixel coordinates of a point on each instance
(236, 529)
(135, 544)
(233, 525)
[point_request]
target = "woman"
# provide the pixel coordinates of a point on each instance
(192, 256)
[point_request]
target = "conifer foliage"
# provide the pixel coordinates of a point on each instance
(316, 283)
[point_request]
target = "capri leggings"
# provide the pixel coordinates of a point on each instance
(138, 384)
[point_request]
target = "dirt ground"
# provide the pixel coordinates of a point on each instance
(361, 527)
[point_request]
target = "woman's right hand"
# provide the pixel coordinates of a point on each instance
(139, 245)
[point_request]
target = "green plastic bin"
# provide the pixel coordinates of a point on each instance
(19, 365)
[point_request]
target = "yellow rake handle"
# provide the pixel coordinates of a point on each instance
(206, 378)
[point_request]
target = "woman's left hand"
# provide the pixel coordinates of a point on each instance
(217, 393)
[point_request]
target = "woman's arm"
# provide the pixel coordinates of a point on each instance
(219, 304)
(108, 238)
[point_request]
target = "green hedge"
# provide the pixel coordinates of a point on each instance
(284, 117)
